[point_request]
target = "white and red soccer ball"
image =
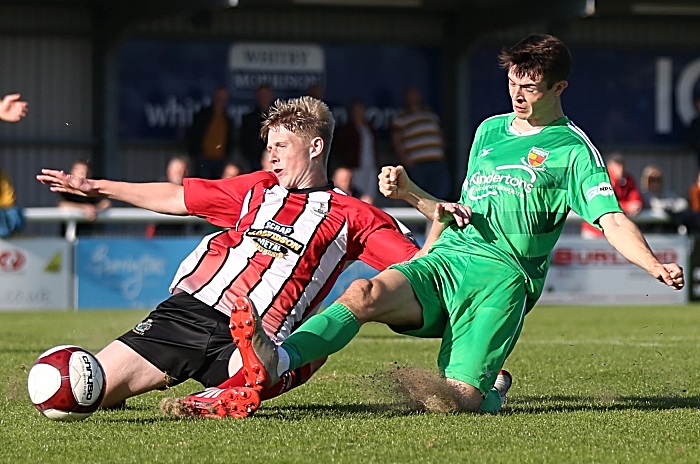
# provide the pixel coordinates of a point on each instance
(66, 383)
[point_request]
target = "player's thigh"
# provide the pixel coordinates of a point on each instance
(127, 372)
(433, 281)
(485, 320)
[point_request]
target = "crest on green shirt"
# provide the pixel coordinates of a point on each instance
(537, 157)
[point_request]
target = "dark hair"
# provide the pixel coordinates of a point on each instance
(538, 56)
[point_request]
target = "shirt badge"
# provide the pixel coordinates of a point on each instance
(536, 157)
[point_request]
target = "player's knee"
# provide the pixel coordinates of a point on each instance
(359, 293)
(468, 397)
(362, 297)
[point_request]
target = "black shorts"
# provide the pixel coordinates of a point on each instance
(186, 339)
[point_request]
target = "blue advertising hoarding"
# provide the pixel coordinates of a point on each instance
(162, 83)
(618, 96)
(127, 272)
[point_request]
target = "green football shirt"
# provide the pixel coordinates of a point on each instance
(521, 187)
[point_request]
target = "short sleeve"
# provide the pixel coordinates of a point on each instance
(377, 239)
(590, 191)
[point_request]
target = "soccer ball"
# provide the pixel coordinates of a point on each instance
(66, 383)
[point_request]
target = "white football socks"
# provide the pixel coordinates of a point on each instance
(283, 363)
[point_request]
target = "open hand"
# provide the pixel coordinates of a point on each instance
(59, 181)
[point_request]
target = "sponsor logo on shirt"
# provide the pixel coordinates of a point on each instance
(521, 181)
(484, 152)
(604, 189)
(321, 210)
(274, 239)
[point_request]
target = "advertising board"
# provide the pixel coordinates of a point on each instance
(35, 273)
(127, 272)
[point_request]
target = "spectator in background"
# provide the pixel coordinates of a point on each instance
(11, 215)
(232, 169)
(89, 206)
(250, 142)
(356, 149)
(175, 173)
(210, 138)
(692, 132)
(343, 179)
(656, 196)
(177, 169)
(316, 91)
(12, 109)
(625, 189)
(661, 201)
(419, 144)
(694, 195)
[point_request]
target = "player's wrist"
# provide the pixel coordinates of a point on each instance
(97, 188)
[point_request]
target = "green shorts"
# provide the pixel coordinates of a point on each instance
(475, 304)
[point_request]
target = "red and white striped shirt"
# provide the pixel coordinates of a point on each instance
(285, 247)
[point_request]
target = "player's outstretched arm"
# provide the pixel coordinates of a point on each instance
(626, 238)
(12, 109)
(395, 183)
(161, 197)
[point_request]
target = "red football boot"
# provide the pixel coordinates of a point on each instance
(258, 351)
(214, 403)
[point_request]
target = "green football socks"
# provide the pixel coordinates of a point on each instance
(492, 403)
(320, 336)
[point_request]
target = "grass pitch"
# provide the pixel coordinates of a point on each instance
(590, 385)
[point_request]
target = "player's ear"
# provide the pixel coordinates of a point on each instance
(316, 148)
(559, 87)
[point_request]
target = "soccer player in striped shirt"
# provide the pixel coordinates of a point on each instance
(287, 236)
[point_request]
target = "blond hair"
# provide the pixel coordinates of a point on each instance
(307, 117)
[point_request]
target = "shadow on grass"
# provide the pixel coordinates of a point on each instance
(292, 412)
(109, 418)
(303, 411)
(536, 405)
(520, 405)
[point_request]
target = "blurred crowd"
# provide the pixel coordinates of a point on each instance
(215, 149)
(657, 207)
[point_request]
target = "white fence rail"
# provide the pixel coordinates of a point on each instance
(71, 217)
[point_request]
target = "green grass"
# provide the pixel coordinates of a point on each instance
(590, 385)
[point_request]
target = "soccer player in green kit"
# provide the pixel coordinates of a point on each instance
(490, 251)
